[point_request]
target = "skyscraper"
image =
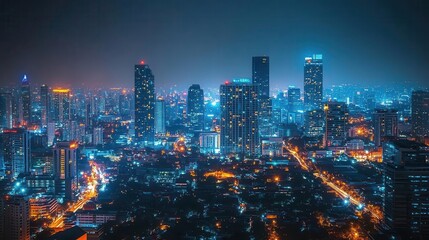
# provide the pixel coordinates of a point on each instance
(336, 115)
(420, 113)
(14, 218)
(195, 108)
(144, 88)
(261, 75)
(6, 106)
(294, 98)
(385, 124)
(65, 157)
(313, 82)
(239, 117)
(61, 105)
(261, 79)
(15, 148)
(44, 104)
(160, 116)
(406, 194)
(25, 101)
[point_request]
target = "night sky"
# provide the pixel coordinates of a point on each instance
(96, 43)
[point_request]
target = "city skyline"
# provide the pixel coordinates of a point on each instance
(382, 42)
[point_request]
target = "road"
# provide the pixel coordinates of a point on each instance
(89, 193)
(375, 211)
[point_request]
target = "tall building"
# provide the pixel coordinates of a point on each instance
(14, 218)
(6, 107)
(239, 117)
(209, 143)
(65, 165)
(44, 104)
(144, 88)
(420, 113)
(406, 197)
(195, 108)
(314, 123)
(160, 116)
(385, 123)
(294, 98)
(25, 101)
(336, 115)
(61, 105)
(313, 82)
(97, 137)
(15, 148)
(261, 75)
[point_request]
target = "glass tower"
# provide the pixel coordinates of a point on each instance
(144, 90)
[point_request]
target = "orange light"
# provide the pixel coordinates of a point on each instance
(61, 90)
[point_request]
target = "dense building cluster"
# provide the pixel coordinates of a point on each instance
(244, 161)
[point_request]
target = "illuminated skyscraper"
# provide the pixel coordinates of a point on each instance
(336, 115)
(294, 98)
(15, 148)
(14, 218)
(261, 80)
(25, 101)
(406, 194)
(239, 117)
(144, 88)
(44, 104)
(313, 82)
(160, 116)
(6, 106)
(385, 124)
(420, 113)
(65, 157)
(261, 75)
(61, 105)
(195, 108)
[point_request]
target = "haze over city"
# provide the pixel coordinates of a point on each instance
(81, 43)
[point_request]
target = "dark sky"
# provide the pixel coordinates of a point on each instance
(97, 43)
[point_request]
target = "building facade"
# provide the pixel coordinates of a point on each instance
(239, 117)
(144, 89)
(313, 82)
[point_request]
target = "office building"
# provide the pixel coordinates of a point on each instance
(261, 75)
(385, 123)
(294, 99)
(314, 123)
(239, 117)
(14, 218)
(144, 89)
(420, 113)
(160, 116)
(25, 113)
(44, 104)
(195, 108)
(313, 82)
(6, 106)
(65, 165)
(209, 142)
(336, 120)
(60, 106)
(406, 184)
(97, 137)
(15, 148)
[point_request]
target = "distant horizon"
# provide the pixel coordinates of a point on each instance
(97, 43)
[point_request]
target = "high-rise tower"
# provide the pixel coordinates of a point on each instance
(313, 82)
(144, 89)
(195, 110)
(261, 75)
(25, 101)
(420, 113)
(239, 117)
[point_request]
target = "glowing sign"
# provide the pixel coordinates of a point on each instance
(241, 80)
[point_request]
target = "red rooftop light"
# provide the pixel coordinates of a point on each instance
(141, 62)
